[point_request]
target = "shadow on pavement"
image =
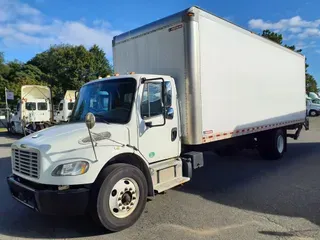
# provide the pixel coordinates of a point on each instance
(289, 187)
(286, 234)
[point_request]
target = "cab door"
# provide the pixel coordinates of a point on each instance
(158, 131)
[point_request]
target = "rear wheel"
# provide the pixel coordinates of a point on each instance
(12, 128)
(272, 145)
(313, 113)
(121, 199)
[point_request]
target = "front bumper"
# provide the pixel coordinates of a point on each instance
(49, 201)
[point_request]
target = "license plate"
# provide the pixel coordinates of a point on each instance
(25, 197)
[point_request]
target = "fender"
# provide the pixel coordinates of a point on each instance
(135, 160)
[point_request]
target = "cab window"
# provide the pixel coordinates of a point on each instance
(70, 105)
(30, 106)
(42, 106)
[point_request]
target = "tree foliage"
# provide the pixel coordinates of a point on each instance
(61, 67)
(311, 83)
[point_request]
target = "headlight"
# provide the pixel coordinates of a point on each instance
(71, 169)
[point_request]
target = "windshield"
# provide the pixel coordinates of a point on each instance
(316, 101)
(110, 101)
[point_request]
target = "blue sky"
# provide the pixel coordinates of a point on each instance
(30, 26)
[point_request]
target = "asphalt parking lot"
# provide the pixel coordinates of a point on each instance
(239, 197)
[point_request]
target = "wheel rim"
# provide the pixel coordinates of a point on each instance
(280, 143)
(12, 129)
(124, 197)
(313, 113)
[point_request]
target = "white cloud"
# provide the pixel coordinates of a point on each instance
(309, 32)
(318, 51)
(12, 9)
(292, 24)
(28, 30)
(302, 33)
(295, 29)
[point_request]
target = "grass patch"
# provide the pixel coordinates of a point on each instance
(3, 130)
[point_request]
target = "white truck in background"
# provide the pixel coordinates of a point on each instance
(65, 107)
(132, 136)
(33, 111)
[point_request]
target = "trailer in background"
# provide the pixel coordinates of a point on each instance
(65, 107)
(34, 110)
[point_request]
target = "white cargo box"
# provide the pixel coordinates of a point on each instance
(230, 81)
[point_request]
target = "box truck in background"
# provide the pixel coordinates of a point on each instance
(33, 110)
(65, 107)
(146, 132)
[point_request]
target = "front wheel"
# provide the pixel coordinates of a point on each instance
(121, 198)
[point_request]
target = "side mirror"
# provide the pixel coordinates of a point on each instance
(90, 120)
(170, 113)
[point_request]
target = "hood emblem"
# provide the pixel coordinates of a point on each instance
(97, 137)
(23, 146)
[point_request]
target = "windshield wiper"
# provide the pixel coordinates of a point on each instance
(101, 117)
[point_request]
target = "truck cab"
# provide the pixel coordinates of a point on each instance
(313, 107)
(133, 113)
(64, 110)
(29, 111)
(65, 107)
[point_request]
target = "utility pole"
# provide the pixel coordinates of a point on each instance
(7, 107)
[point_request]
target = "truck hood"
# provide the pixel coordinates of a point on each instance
(73, 136)
(69, 143)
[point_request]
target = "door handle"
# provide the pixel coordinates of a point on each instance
(174, 134)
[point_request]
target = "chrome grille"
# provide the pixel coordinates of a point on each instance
(26, 162)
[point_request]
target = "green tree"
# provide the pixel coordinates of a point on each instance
(100, 64)
(25, 74)
(69, 67)
(275, 37)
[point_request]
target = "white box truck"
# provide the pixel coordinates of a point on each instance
(33, 110)
(65, 107)
(133, 135)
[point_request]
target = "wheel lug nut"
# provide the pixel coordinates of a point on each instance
(119, 199)
(121, 193)
(134, 198)
(123, 208)
(126, 189)
(130, 189)
(131, 203)
(133, 192)
(120, 204)
(128, 208)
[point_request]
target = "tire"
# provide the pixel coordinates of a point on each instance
(272, 145)
(313, 113)
(12, 128)
(118, 186)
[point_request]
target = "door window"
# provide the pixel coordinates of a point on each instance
(151, 104)
(60, 106)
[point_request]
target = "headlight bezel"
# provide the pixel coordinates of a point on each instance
(71, 169)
